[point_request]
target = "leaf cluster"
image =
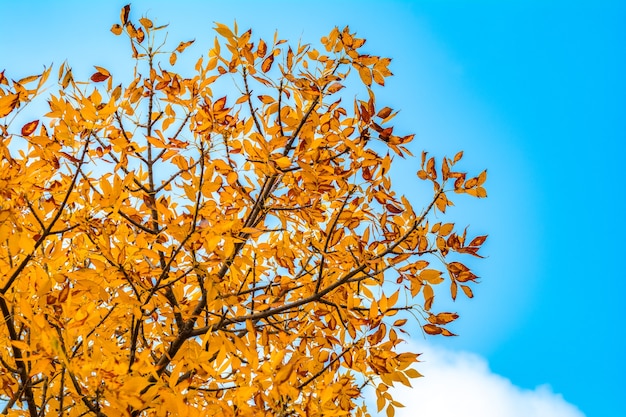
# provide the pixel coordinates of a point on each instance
(167, 250)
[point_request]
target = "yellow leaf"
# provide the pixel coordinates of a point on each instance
(412, 373)
(223, 30)
(431, 275)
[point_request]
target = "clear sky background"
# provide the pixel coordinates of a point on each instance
(532, 90)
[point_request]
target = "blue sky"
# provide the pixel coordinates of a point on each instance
(532, 90)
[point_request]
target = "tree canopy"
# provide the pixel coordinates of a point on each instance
(166, 249)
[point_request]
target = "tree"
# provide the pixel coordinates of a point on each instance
(165, 250)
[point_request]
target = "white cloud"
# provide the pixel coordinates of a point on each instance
(460, 384)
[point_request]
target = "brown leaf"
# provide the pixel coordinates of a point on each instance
(384, 112)
(477, 241)
(148, 201)
(140, 35)
(99, 77)
(124, 14)
(29, 128)
(393, 209)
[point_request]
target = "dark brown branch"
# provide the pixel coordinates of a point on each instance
(249, 94)
(137, 224)
(280, 106)
(174, 176)
(121, 125)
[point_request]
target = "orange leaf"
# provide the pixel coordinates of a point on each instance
(384, 112)
(8, 103)
(140, 35)
(366, 75)
(468, 291)
(116, 29)
(443, 318)
(431, 329)
(261, 49)
(183, 45)
(219, 104)
(289, 59)
(64, 293)
(431, 275)
(145, 22)
(283, 373)
(267, 63)
(266, 99)
(477, 241)
(429, 296)
(446, 332)
(482, 177)
(334, 87)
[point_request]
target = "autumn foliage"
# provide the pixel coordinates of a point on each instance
(166, 249)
